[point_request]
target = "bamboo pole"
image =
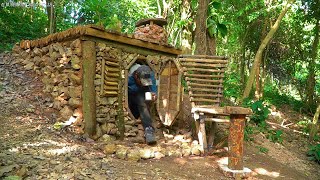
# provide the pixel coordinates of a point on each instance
(203, 70)
(204, 80)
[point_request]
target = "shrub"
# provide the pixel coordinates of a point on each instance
(314, 153)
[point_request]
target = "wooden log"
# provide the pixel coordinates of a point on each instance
(201, 89)
(203, 100)
(111, 83)
(111, 59)
(102, 76)
(235, 141)
(110, 69)
(220, 65)
(109, 63)
(203, 75)
(112, 74)
(110, 88)
(89, 94)
(204, 80)
(207, 95)
(218, 120)
(211, 61)
(110, 79)
(202, 56)
(204, 85)
(110, 93)
(202, 136)
(203, 70)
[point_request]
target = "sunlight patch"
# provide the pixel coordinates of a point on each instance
(265, 172)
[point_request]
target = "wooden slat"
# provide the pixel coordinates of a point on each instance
(110, 88)
(116, 64)
(203, 70)
(102, 76)
(110, 79)
(201, 89)
(209, 65)
(112, 69)
(204, 80)
(218, 120)
(111, 83)
(210, 61)
(111, 59)
(203, 85)
(206, 95)
(202, 56)
(112, 74)
(203, 100)
(203, 75)
(111, 92)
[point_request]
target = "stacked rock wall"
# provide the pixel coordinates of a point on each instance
(151, 33)
(59, 67)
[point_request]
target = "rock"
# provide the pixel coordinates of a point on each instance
(133, 155)
(75, 62)
(121, 152)
(76, 80)
(75, 102)
(186, 151)
(111, 100)
(101, 46)
(107, 139)
(98, 132)
(66, 112)
(29, 66)
(158, 155)
(146, 153)
(195, 150)
(75, 92)
(101, 120)
(75, 44)
(110, 149)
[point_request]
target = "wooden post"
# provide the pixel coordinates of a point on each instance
(89, 93)
(235, 141)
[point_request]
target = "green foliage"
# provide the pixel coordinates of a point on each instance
(314, 153)
(273, 96)
(232, 86)
(248, 133)
(214, 23)
(275, 136)
(260, 111)
(17, 23)
(263, 149)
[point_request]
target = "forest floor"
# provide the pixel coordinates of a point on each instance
(32, 149)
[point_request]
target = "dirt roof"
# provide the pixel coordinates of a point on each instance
(98, 32)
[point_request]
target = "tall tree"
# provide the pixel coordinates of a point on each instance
(51, 16)
(262, 46)
(204, 43)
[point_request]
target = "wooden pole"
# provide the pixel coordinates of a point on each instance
(89, 93)
(235, 141)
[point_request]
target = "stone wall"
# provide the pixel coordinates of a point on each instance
(151, 33)
(59, 68)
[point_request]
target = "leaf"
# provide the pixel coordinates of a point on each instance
(211, 31)
(216, 5)
(222, 29)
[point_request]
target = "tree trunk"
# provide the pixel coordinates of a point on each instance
(314, 125)
(201, 29)
(204, 43)
(258, 72)
(311, 77)
(51, 16)
(259, 53)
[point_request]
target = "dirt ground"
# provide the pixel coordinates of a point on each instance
(30, 148)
